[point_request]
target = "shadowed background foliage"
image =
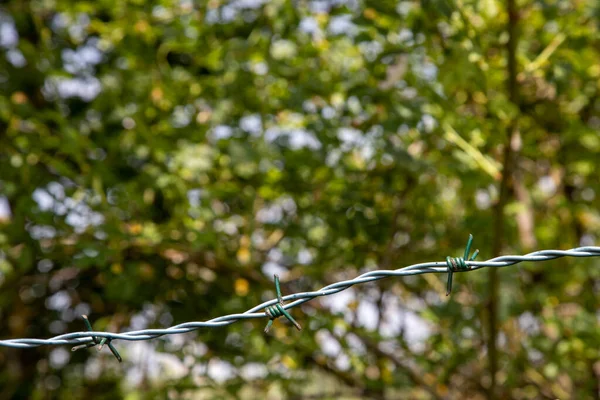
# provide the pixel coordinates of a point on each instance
(160, 160)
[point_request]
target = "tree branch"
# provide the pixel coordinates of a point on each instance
(512, 144)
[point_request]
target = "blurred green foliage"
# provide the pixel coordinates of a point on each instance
(161, 159)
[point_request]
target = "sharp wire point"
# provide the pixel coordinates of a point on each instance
(101, 344)
(113, 349)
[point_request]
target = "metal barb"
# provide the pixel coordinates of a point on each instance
(96, 341)
(277, 310)
(113, 350)
(101, 344)
(83, 346)
(457, 264)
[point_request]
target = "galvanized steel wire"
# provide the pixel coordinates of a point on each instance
(91, 338)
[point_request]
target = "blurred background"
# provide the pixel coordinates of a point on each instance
(161, 160)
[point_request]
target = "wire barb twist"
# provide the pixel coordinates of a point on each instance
(82, 339)
(277, 310)
(96, 341)
(457, 264)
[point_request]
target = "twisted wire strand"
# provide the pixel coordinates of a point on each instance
(78, 338)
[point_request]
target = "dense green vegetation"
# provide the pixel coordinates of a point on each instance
(159, 161)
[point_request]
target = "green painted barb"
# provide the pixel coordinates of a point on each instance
(277, 310)
(459, 263)
(96, 341)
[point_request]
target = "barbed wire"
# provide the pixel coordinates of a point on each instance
(276, 307)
